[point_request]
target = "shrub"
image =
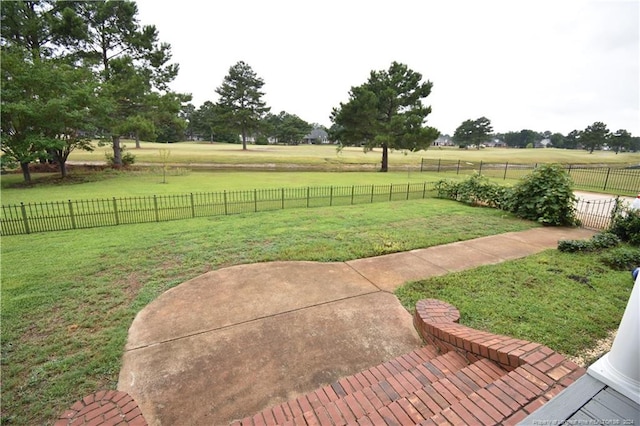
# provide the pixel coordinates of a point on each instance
(474, 190)
(447, 189)
(605, 240)
(545, 195)
(574, 246)
(127, 158)
(625, 224)
(602, 240)
(622, 258)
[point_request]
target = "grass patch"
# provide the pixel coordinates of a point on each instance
(565, 301)
(68, 298)
(229, 154)
(112, 183)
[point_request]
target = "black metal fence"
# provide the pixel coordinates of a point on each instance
(625, 180)
(64, 215)
(595, 214)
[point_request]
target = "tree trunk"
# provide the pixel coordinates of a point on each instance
(244, 139)
(63, 168)
(385, 158)
(26, 173)
(137, 140)
(117, 151)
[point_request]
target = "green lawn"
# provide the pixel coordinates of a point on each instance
(108, 184)
(222, 153)
(69, 297)
(565, 301)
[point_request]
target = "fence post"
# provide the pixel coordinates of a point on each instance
(506, 167)
(282, 192)
(439, 160)
(224, 194)
(353, 187)
(390, 191)
(115, 211)
(255, 200)
(408, 190)
(458, 170)
(155, 208)
(424, 189)
(25, 219)
(73, 218)
(372, 188)
(331, 196)
(606, 179)
(308, 190)
(193, 206)
(480, 171)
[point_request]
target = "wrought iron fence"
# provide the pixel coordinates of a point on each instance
(595, 214)
(625, 180)
(77, 214)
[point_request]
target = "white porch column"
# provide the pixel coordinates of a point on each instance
(620, 368)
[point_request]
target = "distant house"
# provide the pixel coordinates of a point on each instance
(316, 137)
(443, 140)
(544, 143)
(496, 143)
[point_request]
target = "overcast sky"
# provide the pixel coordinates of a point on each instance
(540, 65)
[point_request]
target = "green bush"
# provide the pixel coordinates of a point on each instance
(262, 140)
(574, 246)
(602, 240)
(625, 258)
(545, 195)
(127, 158)
(625, 224)
(474, 190)
(605, 240)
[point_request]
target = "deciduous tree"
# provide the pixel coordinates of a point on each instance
(473, 132)
(287, 128)
(240, 103)
(387, 112)
(594, 136)
(620, 140)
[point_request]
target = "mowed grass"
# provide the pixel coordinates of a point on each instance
(328, 155)
(111, 183)
(68, 298)
(565, 301)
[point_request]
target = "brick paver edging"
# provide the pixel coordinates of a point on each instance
(536, 372)
(105, 408)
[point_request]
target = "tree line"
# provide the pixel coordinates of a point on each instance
(478, 132)
(75, 71)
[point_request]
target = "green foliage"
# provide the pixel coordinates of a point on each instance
(475, 190)
(241, 104)
(127, 159)
(262, 140)
(287, 128)
(574, 246)
(386, 112)
(545, 195)
(625, 224)
(600, 241)
(624, 258)
(473, 132)
(595, 136)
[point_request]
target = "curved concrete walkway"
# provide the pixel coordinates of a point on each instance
(231, 342)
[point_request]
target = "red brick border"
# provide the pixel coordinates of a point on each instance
(106, 408)
(536, 373)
